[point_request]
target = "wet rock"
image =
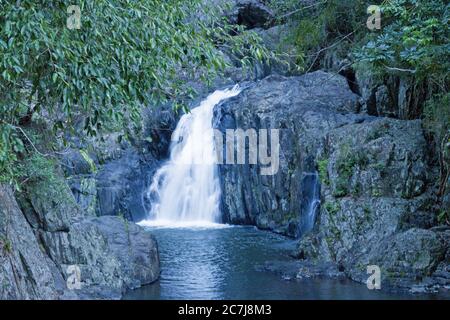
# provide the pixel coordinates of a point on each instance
(299, 270)
(120, 186)
(84, 190)
(74, 163)
(159, 123)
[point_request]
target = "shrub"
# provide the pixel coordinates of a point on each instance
(347, 161)
(6, 245)
(332, 207)
(323, 171)
(414, 39)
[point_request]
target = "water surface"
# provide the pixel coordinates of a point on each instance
(221, 262)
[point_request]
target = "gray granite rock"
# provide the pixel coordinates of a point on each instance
(49, 234)
(375, 180)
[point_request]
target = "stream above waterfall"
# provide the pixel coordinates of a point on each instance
(227, 262)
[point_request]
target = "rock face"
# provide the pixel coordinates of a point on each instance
(42, 243)
(121, 186)
(116, 184)
(392, 96)
(24, 273)
(276, 39)
(302, 108)
(376, 205)
(375, 181)
(113, 255)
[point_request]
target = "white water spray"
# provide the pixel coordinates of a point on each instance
(186, 191)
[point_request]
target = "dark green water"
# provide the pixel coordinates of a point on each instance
(225, 263)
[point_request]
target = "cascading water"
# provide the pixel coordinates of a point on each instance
(310, 202)
(186, 190)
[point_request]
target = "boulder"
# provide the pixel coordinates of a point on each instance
(111, 252)
(117, 185)
(49, 237)
(407, 260)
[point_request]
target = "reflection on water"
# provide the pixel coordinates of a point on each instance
(222, 263)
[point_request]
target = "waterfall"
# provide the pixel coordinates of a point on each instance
(310, 202)
(186, 190)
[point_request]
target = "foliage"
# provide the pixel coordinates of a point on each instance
(321, 24)
(334, 14)
(10, 147)
(309, 36)
(414, 39)
(342, 17)
(40, 179)
(89, 160)
(444, 216)
(323, 171)
(36, 167)
(414, 42)
(125, 55)
(367, 211)
(19, 165)
(332, 207)
(347, 161)
(412, 45)
(6, 245)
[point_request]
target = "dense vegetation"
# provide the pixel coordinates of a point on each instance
(125, 55)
